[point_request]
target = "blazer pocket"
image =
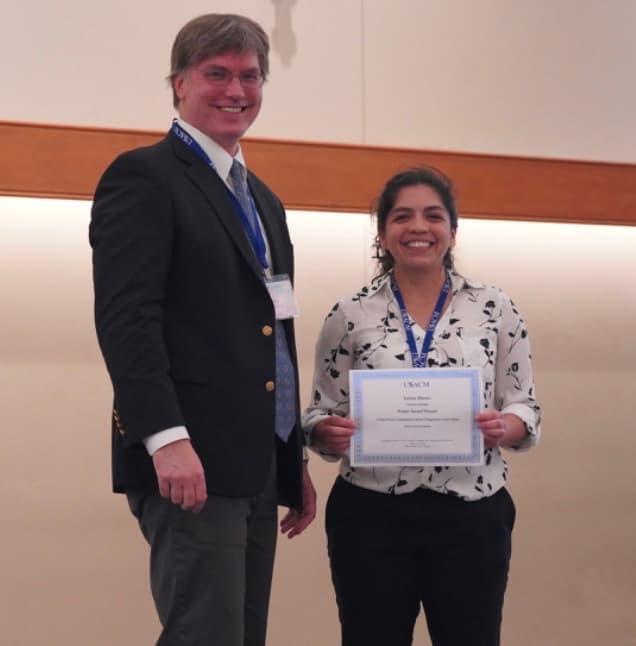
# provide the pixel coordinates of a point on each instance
(191, 370)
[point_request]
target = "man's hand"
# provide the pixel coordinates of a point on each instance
(180, 475)
(296, 522)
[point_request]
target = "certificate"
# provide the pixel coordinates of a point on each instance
(416, 417)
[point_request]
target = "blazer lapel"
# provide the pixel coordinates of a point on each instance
(217, 194)
(271, 223)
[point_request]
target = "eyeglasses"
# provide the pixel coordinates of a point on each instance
(221, 77)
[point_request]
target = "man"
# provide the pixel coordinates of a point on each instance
(193, 309)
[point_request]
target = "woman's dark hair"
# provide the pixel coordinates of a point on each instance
(427, 176)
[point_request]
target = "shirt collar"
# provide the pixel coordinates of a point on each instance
(221, 159)
(458, 282)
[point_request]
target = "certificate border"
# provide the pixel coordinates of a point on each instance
(473, 458)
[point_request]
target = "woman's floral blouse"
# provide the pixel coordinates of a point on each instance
(481, 327)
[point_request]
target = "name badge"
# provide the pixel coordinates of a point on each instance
(282, 294)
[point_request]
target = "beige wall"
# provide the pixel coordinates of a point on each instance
(74, 567)
(543, 78)
(548, 78)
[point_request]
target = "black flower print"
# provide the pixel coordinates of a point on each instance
(481, 327)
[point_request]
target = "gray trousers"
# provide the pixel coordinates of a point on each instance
(211, 572)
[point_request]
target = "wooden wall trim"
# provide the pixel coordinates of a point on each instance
(43, 160)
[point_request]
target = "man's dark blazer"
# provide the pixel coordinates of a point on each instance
(185, 322)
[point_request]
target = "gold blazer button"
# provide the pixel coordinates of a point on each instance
(267, 330)
(269, 386)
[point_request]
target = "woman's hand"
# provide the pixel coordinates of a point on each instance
(501, 429)
(333, 434)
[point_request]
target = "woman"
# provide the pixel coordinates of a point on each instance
(439, 536)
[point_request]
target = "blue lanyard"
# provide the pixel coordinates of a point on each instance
(254, 233)
(419, 360)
